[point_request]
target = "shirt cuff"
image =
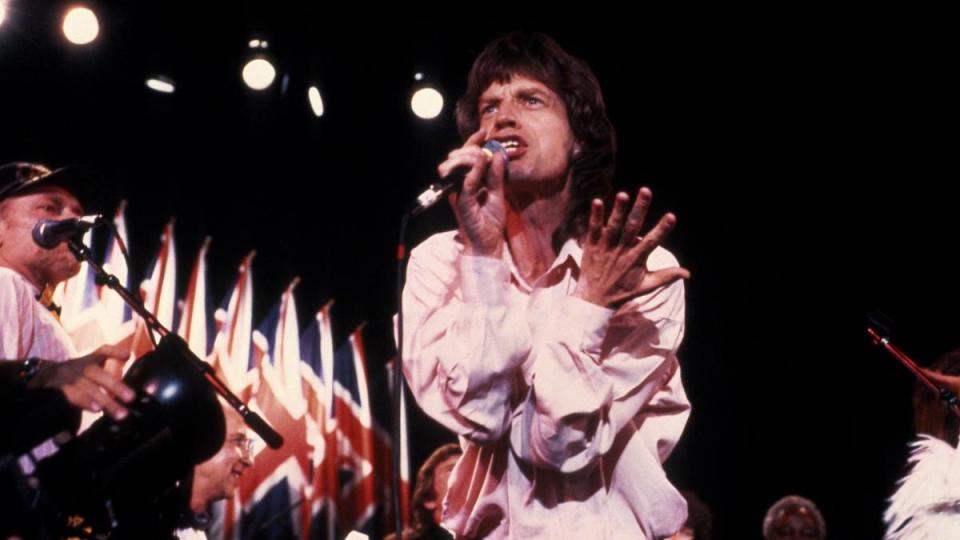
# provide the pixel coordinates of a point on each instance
(577, 317)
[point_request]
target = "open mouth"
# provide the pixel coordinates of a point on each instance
(513, 146)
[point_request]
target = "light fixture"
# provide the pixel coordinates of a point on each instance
(316, 102)
(161, 84)
(427, 103)
(80, 25)
(259, 73)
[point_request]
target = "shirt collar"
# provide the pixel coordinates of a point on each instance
(569, 257)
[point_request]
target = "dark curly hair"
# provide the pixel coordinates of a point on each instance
(423, 491)
(540, 57)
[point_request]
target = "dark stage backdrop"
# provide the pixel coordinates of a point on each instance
(804, 156)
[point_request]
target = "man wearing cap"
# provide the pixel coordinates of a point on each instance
(42, 380)
(30, 332)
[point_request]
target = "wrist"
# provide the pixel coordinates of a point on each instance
(584, 293)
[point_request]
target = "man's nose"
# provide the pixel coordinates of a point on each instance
(506, 114)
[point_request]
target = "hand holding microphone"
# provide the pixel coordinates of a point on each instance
(479, 205)
(450, 179)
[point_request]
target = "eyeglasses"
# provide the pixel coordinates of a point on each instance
(243, 443)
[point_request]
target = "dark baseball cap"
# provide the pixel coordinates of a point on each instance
(22, 178)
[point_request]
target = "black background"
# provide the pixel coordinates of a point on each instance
(804, 153)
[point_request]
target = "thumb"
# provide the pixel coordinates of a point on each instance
(119, 351)
(655, 280)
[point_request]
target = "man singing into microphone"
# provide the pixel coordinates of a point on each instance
(544, 332)
(29, 325)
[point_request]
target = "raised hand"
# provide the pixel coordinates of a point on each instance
(480, 206)
(614, 264)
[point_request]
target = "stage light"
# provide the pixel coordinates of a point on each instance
(316, 102)
(259, 73)
(161, 84)
(427, 103)
(418, 76)
(3, 11)
(80, 26)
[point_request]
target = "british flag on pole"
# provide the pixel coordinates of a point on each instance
(316, 350)
(231, 359)
(384, 451)
(116, 319)
(270, 493)
(356, 483)
(234, 326)
(159, 292)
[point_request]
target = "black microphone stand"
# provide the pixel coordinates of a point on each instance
(252, 419)
(397, 376)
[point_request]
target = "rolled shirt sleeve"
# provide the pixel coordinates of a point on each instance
(463, 340)
(596, 370)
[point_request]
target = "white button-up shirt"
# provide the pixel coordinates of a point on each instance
(566, 410)
(27, 329)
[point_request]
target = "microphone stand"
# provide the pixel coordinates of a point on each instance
(948, 398)
(397, 375)
(252, 419)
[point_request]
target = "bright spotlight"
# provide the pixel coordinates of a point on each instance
(254, 43)
(259, 73)
(418, 76)
(3, 11)
(426, 103)
(316, 102)
(80, 26)
(161, 84)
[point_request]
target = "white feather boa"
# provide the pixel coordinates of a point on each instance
(926, 505)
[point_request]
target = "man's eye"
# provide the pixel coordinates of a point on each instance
(488, 109)
(534, 100)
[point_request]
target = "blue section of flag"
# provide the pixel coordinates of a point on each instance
(310, 348)
(268, 328)
(270, 517)
(345, 373)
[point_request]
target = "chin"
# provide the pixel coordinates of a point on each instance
(516, 172)
(65, 272)
(60, 266)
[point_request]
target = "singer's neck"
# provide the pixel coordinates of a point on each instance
(532, 218)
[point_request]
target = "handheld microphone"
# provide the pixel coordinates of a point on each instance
(48, 233)
(451, 181)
